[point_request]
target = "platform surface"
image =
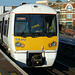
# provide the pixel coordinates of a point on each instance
(8, 67)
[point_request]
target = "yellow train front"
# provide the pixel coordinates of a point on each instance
(33, 35)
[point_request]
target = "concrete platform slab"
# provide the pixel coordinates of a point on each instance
(8, 67)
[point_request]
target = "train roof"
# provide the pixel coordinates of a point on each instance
(34, 8)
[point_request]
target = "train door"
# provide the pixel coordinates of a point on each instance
(0, 31)
(5, 30)
(1, 34)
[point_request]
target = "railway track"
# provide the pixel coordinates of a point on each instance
(67, 47)
(55, 72)
(65, 62)
(64, 68)
(61, 69)
(68, 41)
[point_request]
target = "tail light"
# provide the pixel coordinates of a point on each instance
(22, 45)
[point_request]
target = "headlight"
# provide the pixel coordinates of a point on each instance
(52, 44)
(18, 44)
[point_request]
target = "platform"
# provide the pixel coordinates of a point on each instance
(8, 67)
(67, 39)
(67, 36)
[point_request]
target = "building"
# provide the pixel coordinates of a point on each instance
(66, 12)
(4, 9)
(45, 2)
(1, 9)
(71, 0)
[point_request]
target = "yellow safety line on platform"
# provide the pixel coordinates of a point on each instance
(0, 74)
(13, 74)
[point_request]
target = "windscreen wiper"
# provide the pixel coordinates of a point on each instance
(23, 34)
(34, 35)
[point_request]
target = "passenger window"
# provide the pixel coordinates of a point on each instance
(0, 25)
(7, 27)
(6, 24)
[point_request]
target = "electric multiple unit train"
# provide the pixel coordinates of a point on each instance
(30, 33)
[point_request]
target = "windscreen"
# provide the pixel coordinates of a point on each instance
(35, 25)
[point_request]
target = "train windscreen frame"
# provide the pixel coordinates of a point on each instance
(35, 25)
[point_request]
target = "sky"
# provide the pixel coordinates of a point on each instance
(18, 2)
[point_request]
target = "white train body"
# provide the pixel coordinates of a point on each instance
(26, 49)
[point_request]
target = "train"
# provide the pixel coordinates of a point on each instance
(30, 33)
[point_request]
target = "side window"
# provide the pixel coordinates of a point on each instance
(69, 16)
(69, 24)
(3, 23)
(69, 8)
(0, 25)
(6, 24)
(7, 27)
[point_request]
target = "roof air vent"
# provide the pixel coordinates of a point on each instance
(23, 3)
(35, 6)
